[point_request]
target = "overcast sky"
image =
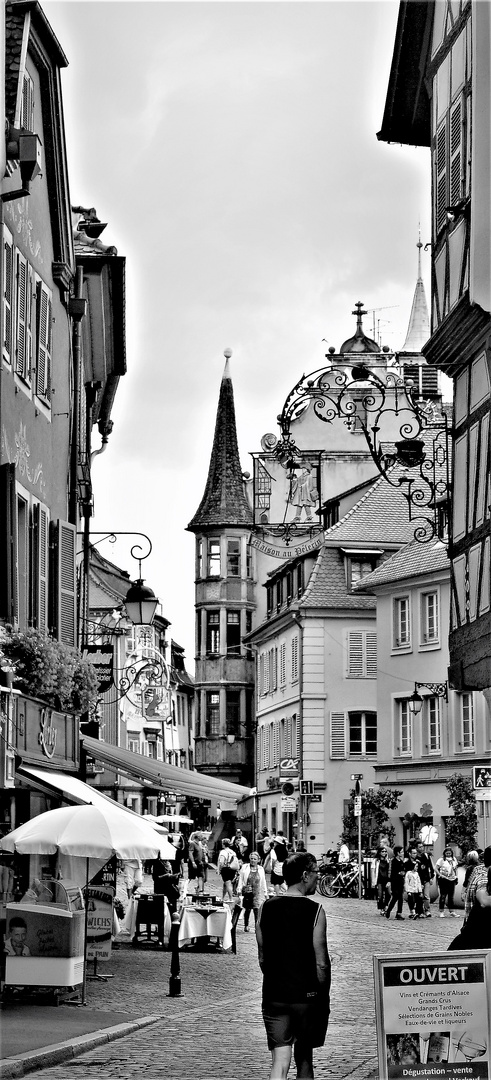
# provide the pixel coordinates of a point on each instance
(232, 149)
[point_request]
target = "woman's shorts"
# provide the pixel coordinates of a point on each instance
(288, 1022)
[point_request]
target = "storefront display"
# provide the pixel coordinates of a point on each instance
(44, 939)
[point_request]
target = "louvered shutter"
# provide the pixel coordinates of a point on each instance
(371, 654)
(8, 544)
(40, 567)
(355, 654)
(43, 349)
(266, 673)
(296, 736)
(338, 735)
(456, 153)
(64, 579)
(282, 664)
(23, 317)
(276, 743)
(266, 746)
(261, 674)
(441, 176)
(294, 659)
(8, 295)
(27, 104)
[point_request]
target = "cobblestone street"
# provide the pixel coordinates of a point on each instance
(215, 1031)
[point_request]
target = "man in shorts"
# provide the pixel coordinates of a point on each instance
(291, 936)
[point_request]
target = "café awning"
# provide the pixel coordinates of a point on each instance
(160, 775)
(71, 788)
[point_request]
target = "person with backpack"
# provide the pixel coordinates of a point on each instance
(228, 868)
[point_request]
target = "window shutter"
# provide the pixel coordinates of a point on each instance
(294, 659)
(27, 104)
(276, 743)
(355, 654)
(24, 317)
(261, 674)
(371, 654)
(282, 664)
(64, 579)
(8, 295)
(8, 544)
(456, 153)
(338, 735)
(266, 746)
(43, 351)
(296, 736)
(40, 568)
(266, 673)
(441, 176)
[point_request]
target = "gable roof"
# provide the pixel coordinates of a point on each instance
(381, 516)
(410, 561)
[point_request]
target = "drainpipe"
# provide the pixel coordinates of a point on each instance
(302, 798)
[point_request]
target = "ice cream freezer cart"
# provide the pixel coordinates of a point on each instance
(44, 939)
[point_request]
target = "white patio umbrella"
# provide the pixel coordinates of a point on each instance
(89, 832)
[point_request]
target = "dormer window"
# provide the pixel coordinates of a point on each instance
(360, 562)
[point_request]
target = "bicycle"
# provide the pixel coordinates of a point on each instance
(341, 881)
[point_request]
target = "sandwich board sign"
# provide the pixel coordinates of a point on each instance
(433, 1015)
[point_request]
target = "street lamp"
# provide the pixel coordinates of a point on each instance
(415, 702)
(140, 601)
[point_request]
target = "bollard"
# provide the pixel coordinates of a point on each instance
(175, 967)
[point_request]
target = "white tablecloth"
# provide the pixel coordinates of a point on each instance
(209, 922)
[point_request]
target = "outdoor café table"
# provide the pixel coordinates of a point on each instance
(199, 921)
(147, 910)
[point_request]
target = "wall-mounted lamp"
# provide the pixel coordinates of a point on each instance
(230, 740)
(415, 702)
(24, 149)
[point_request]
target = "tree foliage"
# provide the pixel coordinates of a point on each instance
(461, 829)
(49, 669)
(374, 818)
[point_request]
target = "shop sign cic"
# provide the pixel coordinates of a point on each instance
(47, 735)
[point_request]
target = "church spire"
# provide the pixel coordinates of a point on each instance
(224, 501)
(419, 324)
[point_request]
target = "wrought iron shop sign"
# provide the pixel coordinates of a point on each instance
(287, 501)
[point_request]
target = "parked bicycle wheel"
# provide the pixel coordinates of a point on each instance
(352, 889)
(330, 883)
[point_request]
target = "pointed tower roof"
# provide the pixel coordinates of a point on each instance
(224, 501)
(418, 330)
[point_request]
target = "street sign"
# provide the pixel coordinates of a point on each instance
(481, 777)
(316, 798)
(357, 776)
(483, 795)
(306, 787)
(288, 806)
(357, 806)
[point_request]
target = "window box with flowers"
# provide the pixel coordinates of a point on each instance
(42, 667)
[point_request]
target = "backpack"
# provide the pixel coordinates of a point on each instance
(281, 850)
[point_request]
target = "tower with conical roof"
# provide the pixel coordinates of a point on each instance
(412, 361)
(224, 603)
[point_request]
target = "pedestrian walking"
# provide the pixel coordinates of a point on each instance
(412, 885)
(240, 846)
(446, 874)
(196, 861)
(381, 877)
(133, 875)
(278, 854)
(293, 956)
(397, 875)
(476, 931)
(228, 868)
(251, 888)
(426, 871)
(477, 879)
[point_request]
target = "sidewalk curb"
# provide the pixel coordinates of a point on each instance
(58, 1052)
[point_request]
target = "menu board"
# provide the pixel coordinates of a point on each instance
(99, 923)
(433, 1015)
